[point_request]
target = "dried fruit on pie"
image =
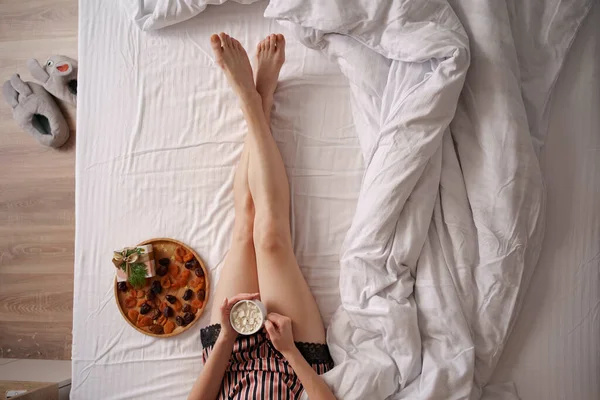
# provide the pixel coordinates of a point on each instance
(180, 253)
(197, 303)
(162, 270)
(188, 317)
(197, 284)
(130, 302)
(155, 314)
(188, 294)
(133, 315)
(165, 282)
(173, 270)
(170, 299)
(192, 309)
(122, 286)
(144, 321)
(184, 275)
(169, 327)
(156, 287)
(156, 329)
(177, 306)
(167, 312)
(191, 264)
(164, 261)
(145, 308)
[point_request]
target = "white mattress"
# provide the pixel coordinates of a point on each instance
(554, 349)
(160, 135)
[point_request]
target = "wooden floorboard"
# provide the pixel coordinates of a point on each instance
(37, 194)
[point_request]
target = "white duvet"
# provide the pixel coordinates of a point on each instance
(449, 222)
(450, 103)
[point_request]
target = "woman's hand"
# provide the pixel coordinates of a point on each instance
(227, 331)
(279, 329)
(208, 384)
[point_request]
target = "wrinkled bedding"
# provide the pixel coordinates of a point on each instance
(450, 218)
(155, 14)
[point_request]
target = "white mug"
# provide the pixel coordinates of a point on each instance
(263, 312)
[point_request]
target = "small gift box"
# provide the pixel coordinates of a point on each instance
(134, 264)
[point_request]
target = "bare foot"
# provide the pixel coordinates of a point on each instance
(270, 55)
(232, 58)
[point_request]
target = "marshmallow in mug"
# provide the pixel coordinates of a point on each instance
(247, 316)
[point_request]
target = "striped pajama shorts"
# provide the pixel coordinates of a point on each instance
(257, 370)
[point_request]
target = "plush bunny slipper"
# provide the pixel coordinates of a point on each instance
(36, 111)
(58, 76)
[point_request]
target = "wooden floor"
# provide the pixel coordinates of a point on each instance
(37, 194)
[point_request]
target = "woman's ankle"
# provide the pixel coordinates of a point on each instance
(249, 98)
(267, 105)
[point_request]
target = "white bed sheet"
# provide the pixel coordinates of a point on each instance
(159, 135)
(553, 352)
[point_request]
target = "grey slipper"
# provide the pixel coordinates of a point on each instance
(58, 76)
(36, 111)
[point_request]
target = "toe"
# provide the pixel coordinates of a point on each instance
(229, 41)
(223, 38)
(272, 41)
(280, 40)
(236, 44)
(215, 43)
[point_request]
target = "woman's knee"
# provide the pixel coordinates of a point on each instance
(271, 235)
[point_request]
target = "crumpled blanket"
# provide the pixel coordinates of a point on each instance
(450, 102)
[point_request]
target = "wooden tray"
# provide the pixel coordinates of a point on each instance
(165, 248)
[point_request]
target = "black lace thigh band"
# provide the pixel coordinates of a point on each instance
(314, 353)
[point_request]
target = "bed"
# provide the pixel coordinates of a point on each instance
(166, 135)
(159, 137)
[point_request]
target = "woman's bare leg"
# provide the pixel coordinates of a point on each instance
(282, 285)
(239, 274)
